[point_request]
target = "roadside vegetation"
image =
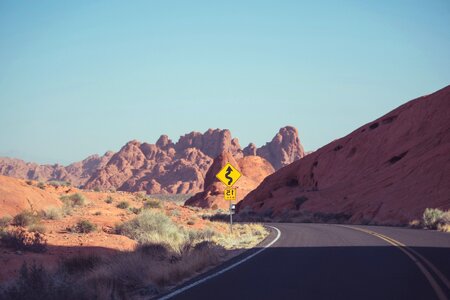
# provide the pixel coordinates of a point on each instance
(434, 218)
(173, 244)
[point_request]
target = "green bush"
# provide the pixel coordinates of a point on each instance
(431, 217)
(73, 200)
(152, 203)
(41, 185)
(25, 218)
(84, 226)
(153, 227)
(109, 199)
(123, 205)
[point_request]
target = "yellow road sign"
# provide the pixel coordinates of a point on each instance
(228, 175)
(229, 194)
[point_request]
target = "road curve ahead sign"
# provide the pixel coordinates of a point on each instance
(228, 175)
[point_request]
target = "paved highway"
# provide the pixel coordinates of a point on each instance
(321, 261)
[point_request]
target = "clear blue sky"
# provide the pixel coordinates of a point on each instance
(83, 77)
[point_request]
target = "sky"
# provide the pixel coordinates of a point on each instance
(84, 77)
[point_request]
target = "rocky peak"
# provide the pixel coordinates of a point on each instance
(284, 148)
(250, 150)
(212, 143)
(164, 142)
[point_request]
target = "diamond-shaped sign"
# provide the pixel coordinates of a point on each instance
(228, 175)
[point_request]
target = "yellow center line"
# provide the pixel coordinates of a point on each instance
(415, 257)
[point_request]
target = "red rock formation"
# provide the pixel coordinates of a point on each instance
(284, 148)
(163, 167)
(386, 172)
(77, 173)
(253, 169)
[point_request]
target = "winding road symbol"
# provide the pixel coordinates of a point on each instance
(228, 175)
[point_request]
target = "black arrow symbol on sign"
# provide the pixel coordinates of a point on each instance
(227, 175)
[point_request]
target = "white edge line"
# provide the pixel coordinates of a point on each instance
(179, 291)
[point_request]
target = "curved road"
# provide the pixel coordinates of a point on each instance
(321, 261)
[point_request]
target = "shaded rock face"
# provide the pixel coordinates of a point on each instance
(77, 173)
(163, 167)
(386, 172)
(253, 169)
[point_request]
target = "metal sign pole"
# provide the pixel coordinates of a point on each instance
(231, 219)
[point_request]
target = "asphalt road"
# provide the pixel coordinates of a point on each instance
(320, 261)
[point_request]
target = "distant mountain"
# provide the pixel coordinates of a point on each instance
(386, 172)
(167, 167)
(77, 173)
(163, 167)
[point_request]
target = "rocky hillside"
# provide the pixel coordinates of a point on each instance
(386, 172)
(168, 167)
(77, 173)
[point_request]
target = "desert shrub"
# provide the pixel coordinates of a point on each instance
(109, 200)
(191, 222)
(135, 210)
(25, 218)
(123, 205)
(52, 213)
(141, 196)
(73, 200)
(153, 227)
(83, 226)
(20, 239)
(41, 185)
(58, 183)
(432, 217)
(152, 203)
(98, 213)
(35, 283)
(80, 263)
(29, 182)
(5, 221)
(40, 228)
(97, 189)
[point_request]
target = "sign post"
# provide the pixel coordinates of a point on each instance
(228, 176)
